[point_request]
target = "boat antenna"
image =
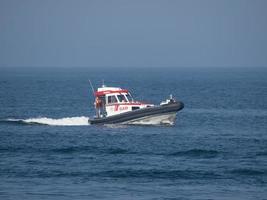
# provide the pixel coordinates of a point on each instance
(103, 83)
(92, 87)
(93, 91)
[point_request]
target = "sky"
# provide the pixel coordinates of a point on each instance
(136, 33)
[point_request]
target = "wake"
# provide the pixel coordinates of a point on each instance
(67, 121)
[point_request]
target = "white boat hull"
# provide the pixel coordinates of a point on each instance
(160, 119)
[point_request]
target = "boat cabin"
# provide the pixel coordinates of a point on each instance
(114, 100)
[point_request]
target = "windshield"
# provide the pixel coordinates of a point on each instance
(122, 98)
(112, 99)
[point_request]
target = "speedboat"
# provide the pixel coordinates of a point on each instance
(115, 105)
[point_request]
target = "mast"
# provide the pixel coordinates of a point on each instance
(93, 91)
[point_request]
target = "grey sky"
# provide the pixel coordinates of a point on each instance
(133, 33)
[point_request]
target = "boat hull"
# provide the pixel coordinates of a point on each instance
(156, 115)
(160, 119)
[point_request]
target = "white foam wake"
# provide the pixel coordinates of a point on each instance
(67, 121)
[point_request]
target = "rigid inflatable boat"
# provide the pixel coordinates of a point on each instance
(116, 105)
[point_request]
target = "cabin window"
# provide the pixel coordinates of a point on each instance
(122, 98)
(135, 107)
(112, 99)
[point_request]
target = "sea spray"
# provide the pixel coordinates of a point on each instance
(66, 121)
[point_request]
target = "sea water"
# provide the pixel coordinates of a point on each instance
(216, 150)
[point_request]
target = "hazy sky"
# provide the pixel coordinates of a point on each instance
(133, 33)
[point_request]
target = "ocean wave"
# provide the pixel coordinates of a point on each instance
(161, 174)
(67, 121)
(66, 150)
(202, 153)
(228, 112)
(120, 173)
(192, 153)
(263, 153)
(138, 173)
(92, 149)
(248, 172)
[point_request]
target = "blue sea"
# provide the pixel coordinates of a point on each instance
(216, 150)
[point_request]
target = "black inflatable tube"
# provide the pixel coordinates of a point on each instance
(136, 114)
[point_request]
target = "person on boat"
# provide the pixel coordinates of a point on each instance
(98, 104)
